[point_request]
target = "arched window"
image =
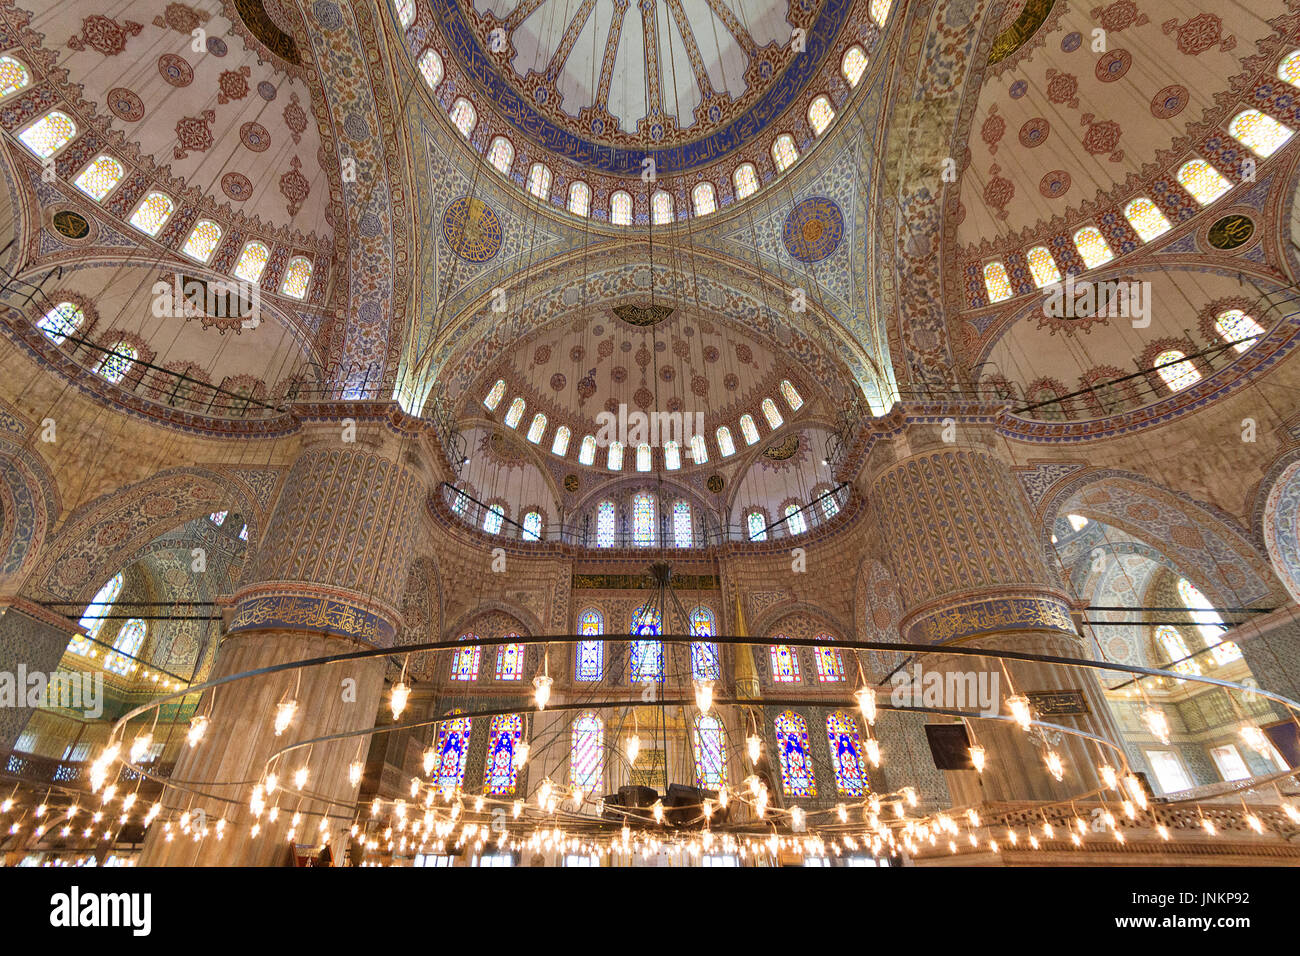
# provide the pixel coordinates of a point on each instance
(154, 210)
(98, 179)
(93, 619)
(880, 10)
(453, 747)
(1174, 649)
(537, 428)
(830, 665)
(605, 524)
(405, 12)
(252, 261)
(757, 526)
(504, 736)
(539, 181)
(587, 755)
(704, 198)
(1175, 373)
(795, 523)
(494, 397)
(699, 451)
(13, 76)
(49, 134)
(683, 537)
(1042, 266)
(533, 526)
(725, 445)
(587, 451)
(296, 278)
(1259, 132)
(614, 460)
(1203, 181)
(785, 663)
(580, 199)
(514, 413)
(590, 663)
(997, 282)
(846, 754)
(643, 457)
(431, 68)
(501, 154)
(661, 208)
(1234, 325)
(114, 366)
(704, 654)
(218, 518)
(620, 208)
(1208, 622)
(748, 429)
(202, 241)
(783, 152)
(773, 417)
(1146, 219)
(61, 321)
(125, 647)
(853, 65)
(830, 507)
(745, 179)
(797, 779)
(510, 660)
(463, 116)
(561, 443)
(672, 455)
(820, 114)
(791, 395)
(1077, 522)
(1288, 71)
(464, 662)
(647, 655)
(492, 519)
(710, 753)
(643, 519)
(459, 503)
(1092, 246)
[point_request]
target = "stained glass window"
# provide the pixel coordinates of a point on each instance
(785, 664)
(1092, 246)
(1257, 131)
(93, 619)
(1203, 181)
(830, 507)
(452, 747)
(725, 445)
(643, 457)
(830, 665)
(710, 753)
(1208, 622)
(704, 654)
(661, 208)
(1042, 266)
(1174, 648)
(243, 533)
(704, 198)
(683, 537)
(252, 261)
(1235, 325)
(647, 655)
(643, 520)
(494, 397)
(561, 443)
(514, 413)
(846, 754)
(117, 362)
(202, 241)
(1146, 219)
(539, 181)
(757, 526)
(605, 524)
(620, 208)
(501, 154)
(587, 756)
(492, 519)
(537, 428)
(880, 10)
(99, 178)
(773, 417)
(614, 461)
(464, 662)
(1176, 374)
(783, 152)
(459, 503)
(504, 736)
(1288, 71)
(218, 518)
(580, 199)
(748, 429)
(820, 114)
(587, 452)
(699, 451)
(997, 282)
(152, 212)
(125, 646)
(431, 68)
(591, 654)
(510, 660)
(49, 134)
(672, 455)
(463, 116)
(533, 526)
(854, 64)
(797, 777)
(405, 12)
(745, 179)
(61, 321)
(795, 523)
(13, 76)
(791, 395)
(296, 278)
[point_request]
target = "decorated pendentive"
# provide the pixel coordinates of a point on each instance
(813, 230)
(472, 229)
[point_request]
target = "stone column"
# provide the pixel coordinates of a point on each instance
(971, 571)
(327, 579)
(32, 643)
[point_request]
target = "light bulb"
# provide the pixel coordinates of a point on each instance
(140, 747)
(977, 758)
(632, 746)
(430, 760)
(1134, 787)
(1055, 766)
(1019, 707)
(1108, 776)
(755, 746)
(873, 751)
(1163, 831)
(272, 783)
(1048, 830)
(909, 794)
(1291, 812)
(798, 819)
(542, 690)
(354, 772)
(521, 755)
(704, 695)
(284, 715)
(198, 727)
(1254, 823)
(866, 698)
(1209, 826)
(1256, 740)
(401, 693)
(300, 778)
(1157, 723)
